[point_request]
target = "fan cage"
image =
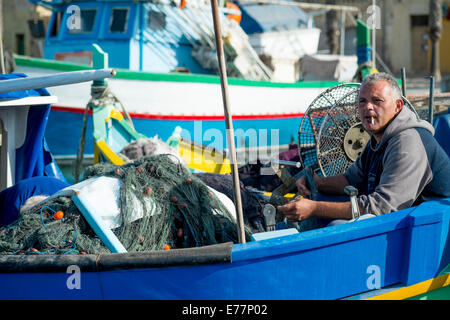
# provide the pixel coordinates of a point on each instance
(323, 128)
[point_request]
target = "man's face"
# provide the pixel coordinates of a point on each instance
(377, 107)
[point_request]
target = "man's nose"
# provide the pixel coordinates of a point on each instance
(366, 105)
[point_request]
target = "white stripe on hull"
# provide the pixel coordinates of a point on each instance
(186, 98)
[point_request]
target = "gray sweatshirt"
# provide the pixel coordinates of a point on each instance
(407, 167)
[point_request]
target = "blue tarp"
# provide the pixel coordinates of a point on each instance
(36, 172)
(258, 18)
(12, 198)
(33, 158)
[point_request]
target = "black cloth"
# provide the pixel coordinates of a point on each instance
(252, 201)
(250, 174)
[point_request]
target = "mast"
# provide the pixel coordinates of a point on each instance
(229, 121)
(2, 58)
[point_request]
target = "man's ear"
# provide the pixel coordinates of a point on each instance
(399, 105)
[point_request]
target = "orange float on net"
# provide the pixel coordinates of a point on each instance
(58, 215)
(166, 246)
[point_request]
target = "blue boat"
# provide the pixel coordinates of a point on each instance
(388, 252)
(355, 260)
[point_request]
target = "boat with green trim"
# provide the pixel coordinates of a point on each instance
(149, 43)
(264, 113)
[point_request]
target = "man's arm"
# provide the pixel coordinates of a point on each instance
(302, 209)
(332, 184)
(329, 185)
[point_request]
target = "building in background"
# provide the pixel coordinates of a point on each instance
(402, 41)
(24, 27)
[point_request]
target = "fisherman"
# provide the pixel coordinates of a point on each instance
(24, 194)
(401, 166)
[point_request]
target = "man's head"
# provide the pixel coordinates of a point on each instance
(380, 100)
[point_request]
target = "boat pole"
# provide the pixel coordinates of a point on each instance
(403, 82)
(52, 80)
(2, 57)
(229, 120)
(374, 35)
(431, 101)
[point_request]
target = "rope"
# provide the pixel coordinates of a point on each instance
(80, 153)
(100, 96)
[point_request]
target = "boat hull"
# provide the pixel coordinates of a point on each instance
(275, 132)
(397, 249)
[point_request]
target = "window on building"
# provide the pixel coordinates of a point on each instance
(446, 11)
(86, 23)
(36, 28)
(156, 20)
(419, 21)
(56, 24)
(20, 43)
(119, 18)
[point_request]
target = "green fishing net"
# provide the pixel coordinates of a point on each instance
(178, 211)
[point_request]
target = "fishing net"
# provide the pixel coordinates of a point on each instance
(178, 211)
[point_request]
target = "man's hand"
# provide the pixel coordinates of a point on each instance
(302, 188)
(301, 209)
(298, 209)
(301, 185)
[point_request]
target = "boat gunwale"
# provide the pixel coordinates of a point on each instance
(195, 256)
(338, 234)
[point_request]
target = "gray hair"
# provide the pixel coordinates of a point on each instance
(373, 78)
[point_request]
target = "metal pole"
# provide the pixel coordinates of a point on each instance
(229, 120)
(343, 14)
(305, 5)
(431, 103)
(403, 82)
(58, 79)
(2, 57)
(141, 8)
(286, 163)
(374, 27)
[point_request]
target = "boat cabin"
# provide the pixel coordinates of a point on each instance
(139, 36)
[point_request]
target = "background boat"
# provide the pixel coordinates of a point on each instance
(187, 100)
(149, 43)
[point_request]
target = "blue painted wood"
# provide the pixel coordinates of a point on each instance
(95, 221)
(139, 48)
(400, 248)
